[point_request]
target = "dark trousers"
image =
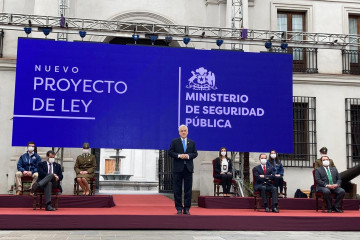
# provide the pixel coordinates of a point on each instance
(279, 183)
(225, 182)
(339, 192)
(268, 188)
(47, 184)
(180, 177)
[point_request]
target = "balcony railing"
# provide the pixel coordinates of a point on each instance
(304, 59)
(350, 61)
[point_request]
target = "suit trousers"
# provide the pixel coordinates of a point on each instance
(339, 192)
(47, 184)
(179, 178)
(268, 188)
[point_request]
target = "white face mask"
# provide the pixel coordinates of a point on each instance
(263, 161)
(86, 151)
(223, 153)
(273, 155)
(31, 148)
(51, 160)
(326, 163)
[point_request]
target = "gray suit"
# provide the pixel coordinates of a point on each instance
(322, 180)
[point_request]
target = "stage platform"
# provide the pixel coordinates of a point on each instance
(158, 212)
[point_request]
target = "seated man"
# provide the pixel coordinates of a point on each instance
(264, 174)
(27, 166)
(323, 152)
(50, 176)
(328, 181)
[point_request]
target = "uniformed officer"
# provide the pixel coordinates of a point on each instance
(85, 168)
(323, 153)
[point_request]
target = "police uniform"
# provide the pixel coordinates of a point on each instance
(85, 162)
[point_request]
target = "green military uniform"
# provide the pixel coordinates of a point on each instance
(85, 162)
(318, 163)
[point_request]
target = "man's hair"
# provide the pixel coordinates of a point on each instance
(183, 125)
(324, 157)
(31, 142)
(50, 152)
(261, 155)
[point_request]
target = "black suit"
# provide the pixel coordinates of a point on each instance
(182, 171)
(322, 180)
(265, 184)
(48, 181)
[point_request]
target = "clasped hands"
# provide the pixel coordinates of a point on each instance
(182, 156)
(27, 173)
(83, 172)
(332, 186)
(226, 173)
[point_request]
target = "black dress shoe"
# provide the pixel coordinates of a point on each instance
(329, 211)
(186, 212)
(49, 208)
(275, 210)
(179, 212)
(337, 210)
(267, 209)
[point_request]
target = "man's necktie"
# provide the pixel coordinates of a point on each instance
(50, 168)
(329, 176)
(264, 170)
(184, 144)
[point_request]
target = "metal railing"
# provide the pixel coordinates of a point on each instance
(350, 62)
(304, 59)
(165, 172)
(304, 117)
(352, 121)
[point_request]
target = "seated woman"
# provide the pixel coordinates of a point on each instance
(223, 171)
(85, 168)
(275, 163)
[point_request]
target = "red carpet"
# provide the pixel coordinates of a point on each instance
(158, 212)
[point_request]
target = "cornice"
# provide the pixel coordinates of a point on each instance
(7, 64)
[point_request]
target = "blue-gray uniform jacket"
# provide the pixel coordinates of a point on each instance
(28, 162)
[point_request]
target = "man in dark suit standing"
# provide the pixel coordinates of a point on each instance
(264, 174)
(183, 151)
(50, 175)
(328, 181)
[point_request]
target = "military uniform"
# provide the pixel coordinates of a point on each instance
(85, 162)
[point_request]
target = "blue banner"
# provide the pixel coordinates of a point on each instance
(135, 97)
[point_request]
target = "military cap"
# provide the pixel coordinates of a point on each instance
(86, 146)
(323, 150)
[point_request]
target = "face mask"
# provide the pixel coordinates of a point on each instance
(86, 151)
(273, 155)
(30, 148)
(223, 153)
(51, 160)
(326, 163)
(263, 161)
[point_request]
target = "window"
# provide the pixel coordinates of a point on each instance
(351, 57)
(304, 120)
(352, 116)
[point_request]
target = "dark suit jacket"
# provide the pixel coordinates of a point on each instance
(43, 170)
(257, 171)
(322, 179)
(218, 169)
(176, 148)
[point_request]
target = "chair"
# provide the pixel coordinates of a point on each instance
(27, 180)
(40, 193)
(217, 182)
(92, 186)
(257, 195)
(321, 195)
